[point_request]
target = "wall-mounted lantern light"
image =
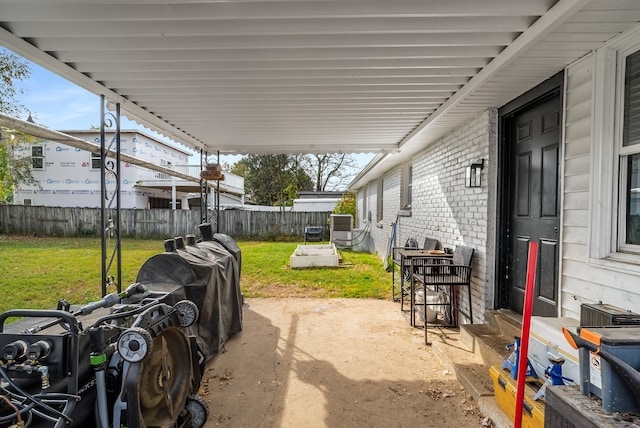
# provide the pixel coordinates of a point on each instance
(473, 174)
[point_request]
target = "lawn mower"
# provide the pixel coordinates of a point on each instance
(133, 359)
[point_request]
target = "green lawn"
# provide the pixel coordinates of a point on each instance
(266, 273)
(36, 272)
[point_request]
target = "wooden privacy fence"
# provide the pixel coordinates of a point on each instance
(156, 223)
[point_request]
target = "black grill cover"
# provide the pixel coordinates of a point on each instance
(210, 275)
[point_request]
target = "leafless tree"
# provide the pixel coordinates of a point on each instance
(331, 171)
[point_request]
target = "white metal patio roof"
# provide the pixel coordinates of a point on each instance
(304, 76)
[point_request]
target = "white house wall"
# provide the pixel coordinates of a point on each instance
(576, 279)
(442, 207)
(592, 270)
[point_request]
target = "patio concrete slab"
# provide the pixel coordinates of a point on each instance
(333, 363)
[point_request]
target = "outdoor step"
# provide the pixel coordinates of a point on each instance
(507, 322)
(473, 349)
(475, 378)
(471, 372)
(486, 342)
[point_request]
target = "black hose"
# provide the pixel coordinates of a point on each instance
(357, 240)
(31, 398)
(126, 313)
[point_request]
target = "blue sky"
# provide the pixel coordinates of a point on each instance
(61, 105)
(57, 103)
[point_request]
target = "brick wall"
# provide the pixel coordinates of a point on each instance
(444, 208)
(381, 230)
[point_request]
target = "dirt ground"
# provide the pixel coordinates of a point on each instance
(332, 363)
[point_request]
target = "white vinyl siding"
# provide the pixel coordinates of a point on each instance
(593, 269)
(576, 183)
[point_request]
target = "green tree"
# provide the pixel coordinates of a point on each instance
(15, 162)
(346, 205)
(12, 69)
(272, 179)
(15, 159)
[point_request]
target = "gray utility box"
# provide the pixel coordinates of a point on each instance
(599, 377)
(340, 229)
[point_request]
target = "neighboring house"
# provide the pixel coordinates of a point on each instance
(308, 201)
(559, 165)
(316, 201)
(70, 177)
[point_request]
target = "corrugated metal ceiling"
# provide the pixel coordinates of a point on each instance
(304, 76)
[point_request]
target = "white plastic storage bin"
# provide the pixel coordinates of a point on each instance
(434, 301)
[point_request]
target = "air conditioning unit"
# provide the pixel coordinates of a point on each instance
(602, 314)
(341, 229)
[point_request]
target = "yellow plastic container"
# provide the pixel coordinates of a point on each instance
(505, 389)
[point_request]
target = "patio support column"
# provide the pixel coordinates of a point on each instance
(174, 202)
(203, 188)
(110, 198)
(218, 200)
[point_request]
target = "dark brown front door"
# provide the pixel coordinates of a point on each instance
(533, 203)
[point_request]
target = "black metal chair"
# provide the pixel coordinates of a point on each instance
(445, 275)
(313, 234)
(396, 257)
(430, 244)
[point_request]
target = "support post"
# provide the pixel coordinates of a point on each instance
(218, 200)
(203, 189)
(110, 198)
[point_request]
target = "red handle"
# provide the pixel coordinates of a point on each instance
(526, 327)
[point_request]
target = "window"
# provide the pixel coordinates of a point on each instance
(380, 205)
(629, 152)
(163, 175)
(96, 161)
(407, 185)
(37, 157)
(365, 204)
(614, 226)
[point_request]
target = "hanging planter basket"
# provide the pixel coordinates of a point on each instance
(212, 171)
